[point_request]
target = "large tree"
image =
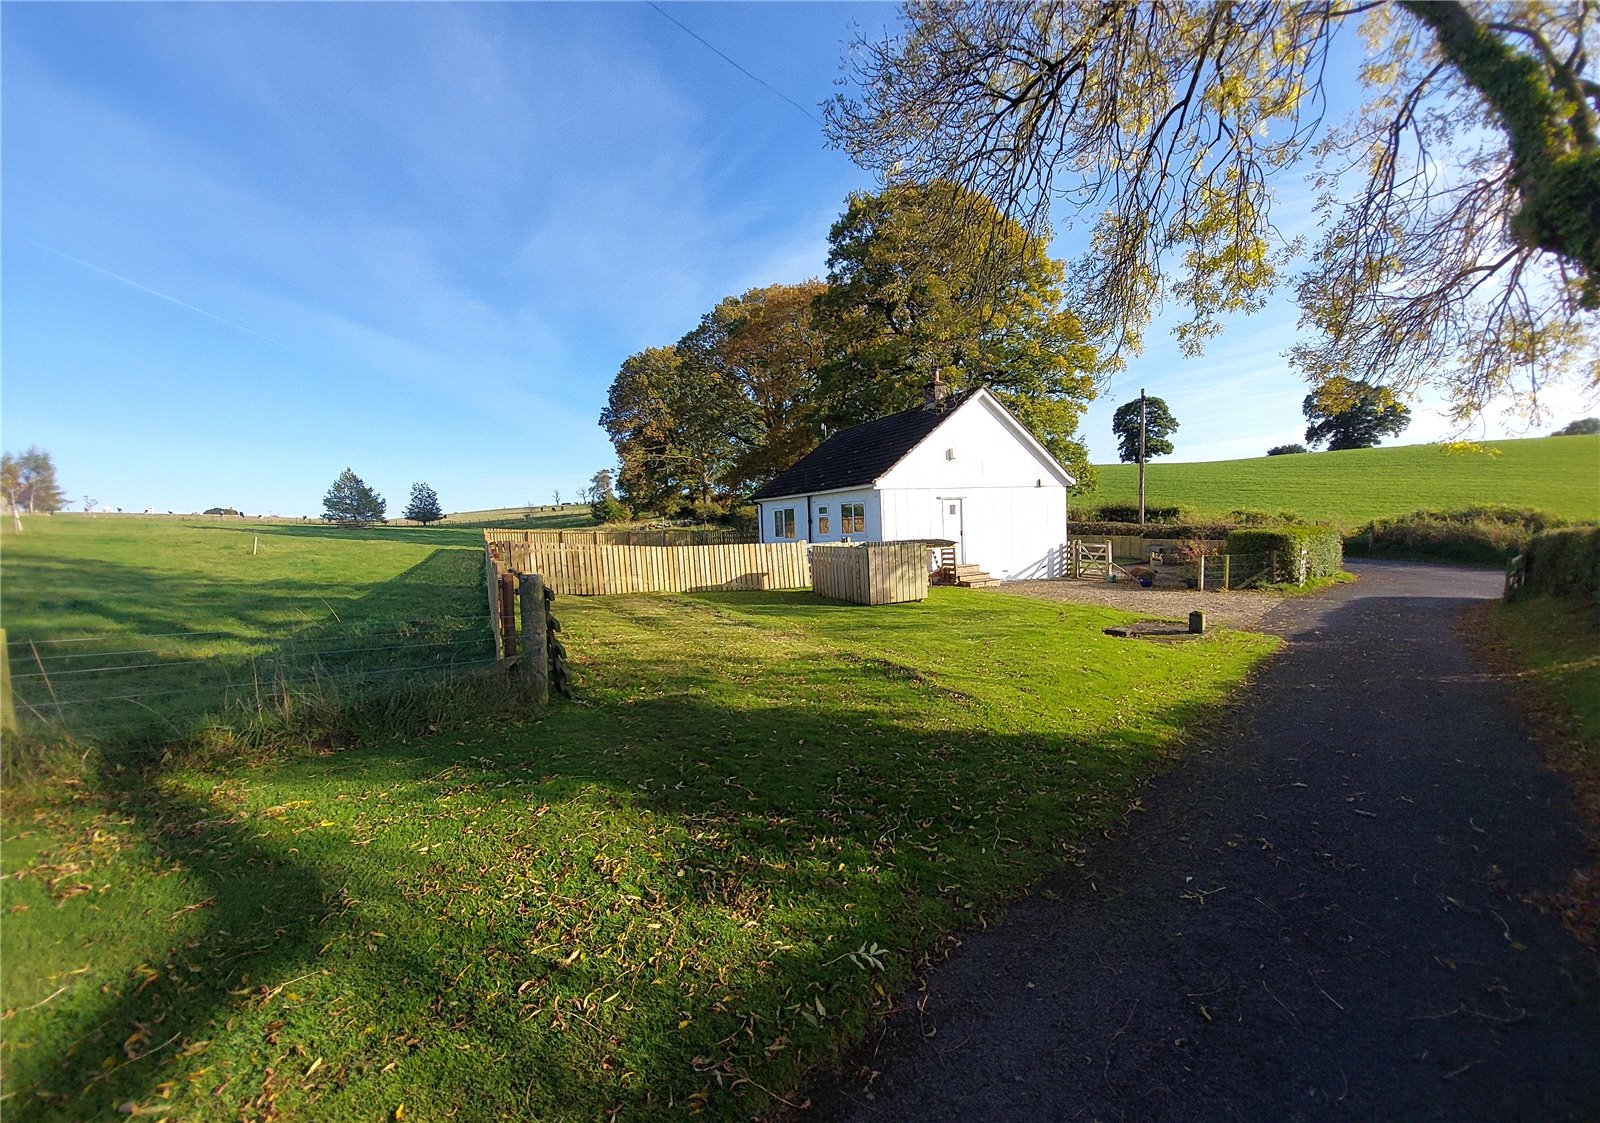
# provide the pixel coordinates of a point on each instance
(1159, 425)
(762, 347)
(724, 409)
(29, 482)
(1346, 413)
(1460, 207)
(350, 502)
(672, 423)
(931, 282)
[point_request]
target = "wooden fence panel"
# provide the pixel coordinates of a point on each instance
(597, 569)
(871, 572)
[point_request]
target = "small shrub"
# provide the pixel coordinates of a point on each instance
(1285, 450)
(745, 519)
(609, 509)
(1245, 516)
(1564, 563)
(1299, 553)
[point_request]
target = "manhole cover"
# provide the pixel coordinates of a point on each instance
(1151, 629)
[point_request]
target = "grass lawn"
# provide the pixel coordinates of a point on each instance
(703, 878)
(1557, 475)
(1552, 647)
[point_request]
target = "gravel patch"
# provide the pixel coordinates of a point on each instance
(1243, 609)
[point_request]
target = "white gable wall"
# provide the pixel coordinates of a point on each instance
(1012, 496)
(989, 451)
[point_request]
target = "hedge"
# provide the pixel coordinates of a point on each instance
(1127, 513)
(1564, 563)
(1080, 528)
(1300, 552)
(1476, 535)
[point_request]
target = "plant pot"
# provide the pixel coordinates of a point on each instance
(1189, 582)
(1146, 582)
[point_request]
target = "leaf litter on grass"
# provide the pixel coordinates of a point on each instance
(705, 877)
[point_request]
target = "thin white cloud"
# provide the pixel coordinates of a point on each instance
(161, 295)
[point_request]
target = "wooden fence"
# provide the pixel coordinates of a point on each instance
(871, 572)
(660, 536)
(598, 570)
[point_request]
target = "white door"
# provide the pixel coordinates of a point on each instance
(950, 512)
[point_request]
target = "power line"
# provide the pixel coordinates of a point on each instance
(754, 78)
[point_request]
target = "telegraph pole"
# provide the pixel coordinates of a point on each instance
(1141, 455)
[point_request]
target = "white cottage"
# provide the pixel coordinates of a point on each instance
(963, 470)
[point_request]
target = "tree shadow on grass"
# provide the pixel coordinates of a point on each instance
(261, 908)
(857, 827)
(825, 798)
(445, 537)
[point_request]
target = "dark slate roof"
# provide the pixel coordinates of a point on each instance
(857, 456)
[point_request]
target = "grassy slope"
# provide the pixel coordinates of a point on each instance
(1552, 647)
(642, 901)
(1557, 475)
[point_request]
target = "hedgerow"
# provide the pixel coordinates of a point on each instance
(1297, 553)
(1564, 562)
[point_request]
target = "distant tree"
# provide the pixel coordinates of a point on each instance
(600, 484)
(556, 495)
(604, 505)
(29, 481)
(1158, 426)
(89, 504)
(1582, 427)
(424, 506)
(352, 503)
(1285, 450)
(1346, 413)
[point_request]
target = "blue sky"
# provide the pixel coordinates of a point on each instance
(247, 245)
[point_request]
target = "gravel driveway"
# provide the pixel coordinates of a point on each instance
(1241, 609)
(1321, 917)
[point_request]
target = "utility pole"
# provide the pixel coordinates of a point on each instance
(1141, 455)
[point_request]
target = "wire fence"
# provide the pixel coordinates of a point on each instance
(120, 688)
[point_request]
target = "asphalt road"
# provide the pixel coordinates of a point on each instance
(1321, 917)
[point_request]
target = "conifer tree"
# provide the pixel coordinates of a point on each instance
(350, 502)
(424, 506)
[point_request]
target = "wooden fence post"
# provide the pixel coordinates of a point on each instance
(8, 709)
(535, 636)
(1201, 584)
(1227, 566)
(508, 613)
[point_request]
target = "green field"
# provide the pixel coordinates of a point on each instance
(684, 890)
(1559, 476)
(131, 628)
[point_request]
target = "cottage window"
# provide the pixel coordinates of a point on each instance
(783, 523)
(852, 518)
(822, 522)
